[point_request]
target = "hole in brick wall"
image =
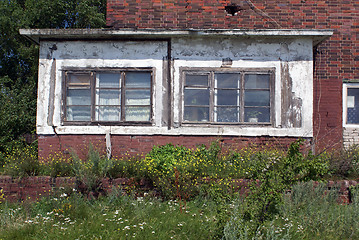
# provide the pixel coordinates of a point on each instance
(233, 9)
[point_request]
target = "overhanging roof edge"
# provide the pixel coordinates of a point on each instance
(71, 34)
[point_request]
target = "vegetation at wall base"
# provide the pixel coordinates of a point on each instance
(309, 212)
(197, 197)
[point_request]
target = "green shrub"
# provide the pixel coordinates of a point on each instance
(57, 165)
(125, 168)
(89, 173)
(2, 197)
(172, 169)
(271, 178)
(21, 160)
(344, 163)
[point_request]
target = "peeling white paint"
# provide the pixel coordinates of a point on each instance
(186, 52)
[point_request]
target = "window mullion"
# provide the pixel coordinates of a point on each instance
(241, 104)
(93, 94)
(211, 96)
(122, 96)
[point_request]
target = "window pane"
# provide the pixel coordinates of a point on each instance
(78, 113)
(108, 113)
(353, 106)
(196, 97)
(198, 114)
(79, 79)
(78, 96)
(256, 98)
(196, 80)
(109, 80)
(138, 114)
(256, 115)
(227, 97)
(227, 80)
(227, 114)
(256, 81)
(138, 80)
(108, 97)
(138, 97)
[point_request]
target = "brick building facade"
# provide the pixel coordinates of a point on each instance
(162, 27)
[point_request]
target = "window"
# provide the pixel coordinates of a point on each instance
(351, 109)
(227, 97)
(108, 96)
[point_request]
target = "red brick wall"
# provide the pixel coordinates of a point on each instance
(335, 60)
(34, 188)
(123, 145)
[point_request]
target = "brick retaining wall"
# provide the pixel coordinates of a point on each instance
(33, 188)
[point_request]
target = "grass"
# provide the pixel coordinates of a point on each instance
(113, 217)
(308, 213)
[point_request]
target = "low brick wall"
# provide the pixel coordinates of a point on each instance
(34, 188)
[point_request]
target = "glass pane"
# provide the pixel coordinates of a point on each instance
(78, 113)
(108, 97)
(256, 98)
(198, 114)
(138, 97)
(78, 96)
(227, 80)
(138, 80)
(196, 80)
(79, 79)
(256, 81)
(109, 80)
(196, 97)
(140, 114)
(353, 106)
(257, 115)
(227, 114)
(108, 113)
(227, 97)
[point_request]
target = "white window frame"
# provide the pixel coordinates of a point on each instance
(347, 86)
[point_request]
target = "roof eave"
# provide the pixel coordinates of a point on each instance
(37, 35)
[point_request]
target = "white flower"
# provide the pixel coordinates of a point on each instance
(63, 195)
(126, 227)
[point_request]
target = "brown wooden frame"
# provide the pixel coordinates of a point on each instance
(93, 72)
(212, 72)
